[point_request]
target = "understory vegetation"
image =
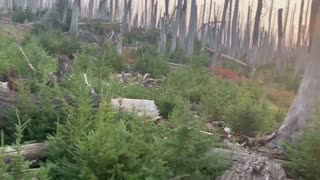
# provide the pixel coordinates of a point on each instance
(86, 142)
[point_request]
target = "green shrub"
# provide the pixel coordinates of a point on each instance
(21, 15)
(304, 157)
(111, 58)
(105, 144)
(15, 166)
(166, 103)
(134, 91)
(289, 81)
(58, 43)
(149, 62)
(248, 116)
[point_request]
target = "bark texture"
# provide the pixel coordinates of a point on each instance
(307, 99)
(74, 27)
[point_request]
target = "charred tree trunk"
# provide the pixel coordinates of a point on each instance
(280, 32)
(308, 94)
(163, 36)
(183, 26)
(300, 24)
(234, 33)
(74, 27)
(175, 28)
(218, 42)
(256, 29)
(192, 28)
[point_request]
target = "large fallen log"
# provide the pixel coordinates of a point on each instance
(253, 166)
(245, 166)
(227, 57)
(9, 100)
(30, 152)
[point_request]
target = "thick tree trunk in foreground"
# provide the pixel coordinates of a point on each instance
(307, 98)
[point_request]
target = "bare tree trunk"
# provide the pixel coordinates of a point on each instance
(286, 20)
(73, 31)
(270, 17)
(91, 4)
(300, 24)
(234, 33)
(183, 26)
(163, 36)
(175, 27)
(256, 27)
(218, 42)
(228, 43)
(306, 23)
(307, 98)
(103, 10)
(192, 28)
(280, 32)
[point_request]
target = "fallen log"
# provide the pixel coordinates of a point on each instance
(30, 152)
(227, 57)
(253, 166)
(9, 100)
(245, 166)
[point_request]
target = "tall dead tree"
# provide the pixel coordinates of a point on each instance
(103, 10)
(175, 27)
(256, 27)
(286, 19)
(222, 27)
(228, 34)
(280, 32)
(234, 34)
(163, 36)
(183, 25)
(300, 24)
(91, 5)
(74, 27)
(306, 33)
(192, 28)
(307, 99)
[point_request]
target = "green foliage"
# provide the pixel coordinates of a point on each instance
(136, 35)
(21, 15)
(166, 104)
(134, 91)
(111, 58)
(15, 167)
(304, 157)
(244, 106)
(149, 62)
(58, 43)
(289, 80)
(110, 145)
(248, 116)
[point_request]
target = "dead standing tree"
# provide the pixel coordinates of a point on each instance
(74, 27)
(307, 99)
(183, 26)
(192, 28)
(300, 24)
(218, 41)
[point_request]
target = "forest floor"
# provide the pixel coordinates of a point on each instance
(280, 97)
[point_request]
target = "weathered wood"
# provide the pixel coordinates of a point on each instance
(252, 167)
(30, 152)
(227, 57)
(9, 100)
